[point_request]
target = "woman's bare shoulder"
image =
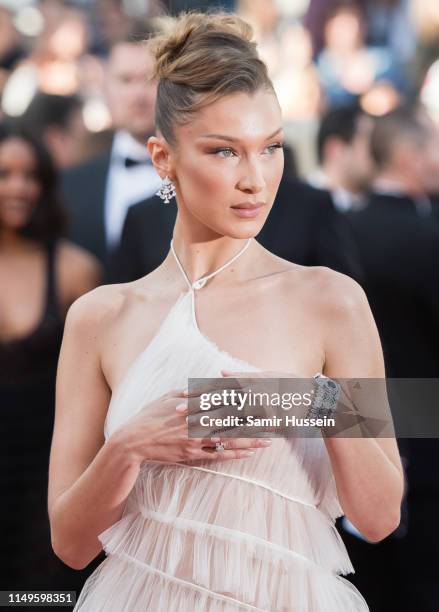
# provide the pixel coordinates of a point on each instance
(103, 305)
(334, 292)
(321, 285)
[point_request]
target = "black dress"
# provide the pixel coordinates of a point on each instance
(27, 402)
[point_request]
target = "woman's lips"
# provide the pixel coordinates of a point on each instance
(247, 211)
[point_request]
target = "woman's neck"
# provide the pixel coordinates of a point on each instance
(12, 241)
(200, 258)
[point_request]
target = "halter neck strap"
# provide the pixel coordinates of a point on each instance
(198, 284)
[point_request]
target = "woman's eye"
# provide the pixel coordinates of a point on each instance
(227, 152)
(272, 148)
(224, 151)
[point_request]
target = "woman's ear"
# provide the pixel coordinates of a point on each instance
(160, 154)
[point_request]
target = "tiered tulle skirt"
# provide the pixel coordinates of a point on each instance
(199, 541)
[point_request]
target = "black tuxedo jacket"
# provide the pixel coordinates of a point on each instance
(400, 253)
(302, 227)
(83, 189)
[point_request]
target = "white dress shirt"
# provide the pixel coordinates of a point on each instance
(126, 186)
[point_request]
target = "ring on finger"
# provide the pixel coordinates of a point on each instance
(220, 447)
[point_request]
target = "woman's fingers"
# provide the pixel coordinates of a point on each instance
(234, 443)
(207, 453)
(182, 407)
(245, 443)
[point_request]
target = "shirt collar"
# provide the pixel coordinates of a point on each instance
(125, 145)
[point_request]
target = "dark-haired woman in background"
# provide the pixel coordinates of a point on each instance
(41, 274)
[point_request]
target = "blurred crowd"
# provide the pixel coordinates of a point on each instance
(358, 82)
(320, 53)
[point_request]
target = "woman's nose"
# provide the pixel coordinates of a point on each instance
(252, 178)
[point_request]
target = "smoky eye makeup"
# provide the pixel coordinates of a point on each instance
(216, 150)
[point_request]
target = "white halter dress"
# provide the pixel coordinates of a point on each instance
(254, 534)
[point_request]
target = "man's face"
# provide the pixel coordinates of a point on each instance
(130, 92)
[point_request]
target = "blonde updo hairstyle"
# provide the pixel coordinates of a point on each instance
(199, 58)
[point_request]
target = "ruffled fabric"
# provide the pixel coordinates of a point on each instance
(219, 536)
(121, 583)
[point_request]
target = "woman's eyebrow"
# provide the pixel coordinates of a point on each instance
(231, 139)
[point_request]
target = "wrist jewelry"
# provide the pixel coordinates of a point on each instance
(326, 396)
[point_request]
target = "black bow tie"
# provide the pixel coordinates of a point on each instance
(129, 162)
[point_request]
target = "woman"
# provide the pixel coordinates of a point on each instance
(41, 274)
(184, 528)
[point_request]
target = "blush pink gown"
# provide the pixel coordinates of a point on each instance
(253, 534)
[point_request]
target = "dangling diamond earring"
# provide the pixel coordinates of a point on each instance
(167, 190)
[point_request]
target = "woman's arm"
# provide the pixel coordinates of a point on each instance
(89, 482)
(368, 471)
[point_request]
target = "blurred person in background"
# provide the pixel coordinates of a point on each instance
(176, 6)
(112, 20)
(387, 23)
(11, 48)
(99, 192)
(426, 20)
(346, 167)
(265, 17)
(41, 275)
(285, 46)
(297, 80)
(57, 122)
(399, 247)
(112, 24)
(401, 146)
(347, 66)
(54, 62)
(315, 17)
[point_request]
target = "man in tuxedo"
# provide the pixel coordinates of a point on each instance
(398, 241)
(99, 192)
(302, 227)
(345, 165)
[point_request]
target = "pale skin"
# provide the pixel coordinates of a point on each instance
(130, 93)
(23, 259)
(306, 319)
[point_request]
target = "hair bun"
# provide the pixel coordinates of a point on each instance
(199, 58)
(176, 35)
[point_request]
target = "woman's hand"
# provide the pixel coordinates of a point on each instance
(159, 432)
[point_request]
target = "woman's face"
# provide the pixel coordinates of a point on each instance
(19, 185)
(230, 155)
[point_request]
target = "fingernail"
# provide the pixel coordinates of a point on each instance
(248, 453)
(215, 439)
(266, 442)
(181, 408)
